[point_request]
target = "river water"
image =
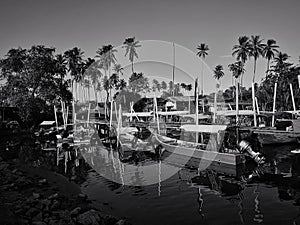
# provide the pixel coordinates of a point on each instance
(182, 195)
(151, 191)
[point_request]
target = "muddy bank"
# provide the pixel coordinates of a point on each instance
(38, 196)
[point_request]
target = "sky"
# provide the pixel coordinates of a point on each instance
(89, 24)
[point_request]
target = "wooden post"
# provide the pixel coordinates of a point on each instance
(197, 112)
(274, 105)
(111, 111)
(63, 113)
(157, 117)
(256, 102)
(293, 100)
(237, 100)
(253, 104)
(189, 104)
(215, 105)
(55, 118)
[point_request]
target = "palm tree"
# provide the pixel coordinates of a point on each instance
(118, 69)
(256, 50)
(280, 61)
(164, 85)
(218, 74)
(107, 57)
(269, 51)
(237, 70)
(130, 44)
(61, 66)
(75, 63)
(202, 53)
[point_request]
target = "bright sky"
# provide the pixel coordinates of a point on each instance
(93, 23)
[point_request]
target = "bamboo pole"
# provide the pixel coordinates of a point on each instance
(274, 105)
(157, 118)
(111, 111)
(189, 104)
(256, 102)
(63, 113)
(55, 117)
(215, 105)
(197, 112)
(237, 100)
(253, 104)
(293, 99)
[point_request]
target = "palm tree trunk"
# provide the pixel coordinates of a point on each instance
(132, 66)
(268, 67)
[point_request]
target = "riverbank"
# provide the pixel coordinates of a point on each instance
(37, 196)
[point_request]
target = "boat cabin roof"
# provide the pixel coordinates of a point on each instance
(203, 128)
(47, 123)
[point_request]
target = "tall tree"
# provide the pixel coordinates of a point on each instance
(75, 64)
(218, 74)
(237, 70)
(107, 57)
(242, 51)
(130, 44)
(269, 52)
(256, 50)
(202, 53)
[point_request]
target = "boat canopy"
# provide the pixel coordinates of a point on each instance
(233, 113)
(172, 113)
(138, 114)
(200, 116)
(203, 128)
(47, 123)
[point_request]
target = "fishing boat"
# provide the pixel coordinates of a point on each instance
(285, 131)
(212, 149)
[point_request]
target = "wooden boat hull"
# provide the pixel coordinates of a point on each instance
(268, 137)
(208, 156)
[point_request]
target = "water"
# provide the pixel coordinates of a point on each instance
(181, 195)
(206, 198)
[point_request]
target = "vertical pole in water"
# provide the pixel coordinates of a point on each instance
(197, 112)
(63, 113)
(67, 114)
(237, 108)
(105, 109)
(237, 100)
(156, 113)
(88, 118)
(111, 111)
(73, 115)
(293, 100)
(215, 105)
(173, 70)
(274, 105)
(55, 118)
(116, 110)
(189, 104)
(253, 104)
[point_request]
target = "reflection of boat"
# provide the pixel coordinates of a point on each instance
(224, 185)
(212, 151)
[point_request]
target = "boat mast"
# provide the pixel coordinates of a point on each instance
(173, 70)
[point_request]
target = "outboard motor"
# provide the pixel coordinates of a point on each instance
(245, 148)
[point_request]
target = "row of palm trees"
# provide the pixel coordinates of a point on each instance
(103, 72)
